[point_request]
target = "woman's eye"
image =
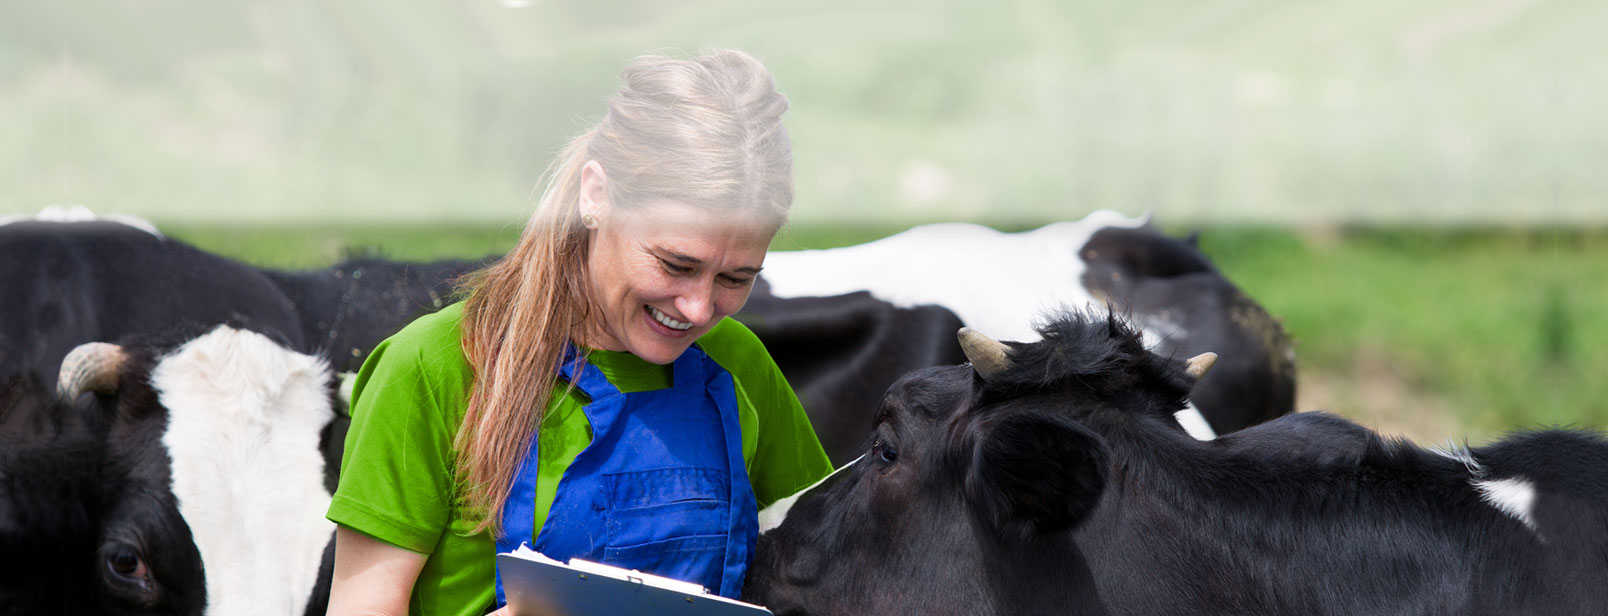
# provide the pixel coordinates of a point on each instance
(884, 451)
(736, 283)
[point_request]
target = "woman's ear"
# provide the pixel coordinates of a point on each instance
(594, 193)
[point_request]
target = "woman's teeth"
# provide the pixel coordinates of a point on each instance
(667, 321)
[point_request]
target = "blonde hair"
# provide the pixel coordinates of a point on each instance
(705, 132)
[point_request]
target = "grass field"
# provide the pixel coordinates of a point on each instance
(1440, 111)
(1431, 333)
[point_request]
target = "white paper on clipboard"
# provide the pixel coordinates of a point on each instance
(536, 585)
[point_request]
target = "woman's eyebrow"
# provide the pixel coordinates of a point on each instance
(683, 259)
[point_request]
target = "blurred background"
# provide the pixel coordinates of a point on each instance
(1416, 189)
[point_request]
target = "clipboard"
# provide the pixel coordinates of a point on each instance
(536, 585)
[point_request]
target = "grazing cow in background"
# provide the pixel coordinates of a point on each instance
(1049, 478)
(841, 353)
(209, 490)
(998, 282)
(75, 280)
(348, 308)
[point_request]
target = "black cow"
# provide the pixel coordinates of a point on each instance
(1167, 286)
(1049, 478)
(348, 308)
(840, 352)
(84, 281)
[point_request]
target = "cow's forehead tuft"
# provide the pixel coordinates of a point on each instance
(227, 363)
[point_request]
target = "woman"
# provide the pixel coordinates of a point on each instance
(590, 397)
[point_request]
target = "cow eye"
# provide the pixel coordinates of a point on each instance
(884, 451)
(125, 567)
(126, 563)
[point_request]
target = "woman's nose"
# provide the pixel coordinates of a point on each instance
(697, 303)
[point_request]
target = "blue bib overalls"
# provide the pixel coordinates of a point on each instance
(662, 488)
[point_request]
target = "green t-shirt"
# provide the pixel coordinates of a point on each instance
(410, 397)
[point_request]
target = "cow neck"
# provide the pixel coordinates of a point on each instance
(1165, 468)
(1157, 460)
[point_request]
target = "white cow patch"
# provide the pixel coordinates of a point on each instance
(243, 436)
(1513, 496)
(1195, 423)
(78, 213)
(773, 515)
(995, 282)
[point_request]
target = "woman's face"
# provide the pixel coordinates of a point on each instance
(664, 273)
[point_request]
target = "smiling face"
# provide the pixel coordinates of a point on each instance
(664, 273)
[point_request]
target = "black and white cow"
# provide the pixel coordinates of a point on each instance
(1049, 478)
(206, 487)
(998, 282)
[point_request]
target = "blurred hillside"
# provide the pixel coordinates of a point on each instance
(1315, 141)
(1485, 111)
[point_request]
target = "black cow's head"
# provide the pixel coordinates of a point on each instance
(976, 474)
(80, 531)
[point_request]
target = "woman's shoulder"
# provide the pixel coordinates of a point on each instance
(431, 343)
(730, 342)
(423, 362)
(732, 345)
(432, 332)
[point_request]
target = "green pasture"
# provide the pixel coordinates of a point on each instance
(1433, 333)
(1265, 111)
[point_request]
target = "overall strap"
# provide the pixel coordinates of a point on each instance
(519, 511)
(689, 369)
(744, 511)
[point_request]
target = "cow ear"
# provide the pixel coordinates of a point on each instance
(1033, 474)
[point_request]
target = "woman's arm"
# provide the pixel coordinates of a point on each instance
(372, 577)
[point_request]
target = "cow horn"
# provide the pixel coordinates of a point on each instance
(1199, 365)
(92, 366)
(989, 357)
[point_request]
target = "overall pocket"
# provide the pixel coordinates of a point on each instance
(666, 521)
